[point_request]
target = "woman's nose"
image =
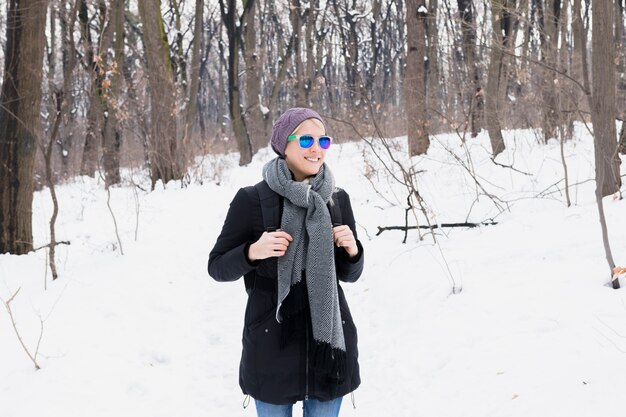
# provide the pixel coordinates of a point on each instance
(316, 146)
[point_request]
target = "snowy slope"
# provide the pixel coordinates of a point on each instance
(532, 330)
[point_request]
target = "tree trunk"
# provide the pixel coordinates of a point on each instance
(295, 17)
(312, 38)
(350, 51)
(94, 63)
(20, 121)
(621, 69)
(474, 92)
(179, 67)
(192, 100)
(507, 24)
(415, 79)
(112, 99)
(580, 64)
(566, 116)
(254, 115)
(163, 142)
(233, 30)
(494, 78)
(433, 75)
(549, 49)
(64, 145)
(603, 109)
(377, 44)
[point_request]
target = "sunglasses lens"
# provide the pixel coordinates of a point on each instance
(306, 141)
(324, 142)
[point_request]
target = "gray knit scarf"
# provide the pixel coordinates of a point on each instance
(306, 218)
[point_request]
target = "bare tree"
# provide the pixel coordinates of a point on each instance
(89, 161)
(192, 99)
(475, 94)
(296, 19)
(494, 78)
(415, 78)
(233, 23)
(163, 113)
(112, 99)
(434, 73)
(252, 58)
(19, 121)
(550, 21)
(603, 113)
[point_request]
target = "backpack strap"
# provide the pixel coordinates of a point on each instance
(335, 209)
(270, 206)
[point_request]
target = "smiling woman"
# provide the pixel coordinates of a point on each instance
(299, 339)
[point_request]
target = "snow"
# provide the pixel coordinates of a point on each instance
(264, 110)
(532, 330)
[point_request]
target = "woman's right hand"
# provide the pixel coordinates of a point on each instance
(269, 244)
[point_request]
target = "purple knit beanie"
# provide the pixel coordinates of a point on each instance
(287, 123)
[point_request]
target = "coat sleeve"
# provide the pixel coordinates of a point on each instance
(348, 269)
(228, 260)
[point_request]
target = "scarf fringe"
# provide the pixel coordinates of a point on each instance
(329, 360)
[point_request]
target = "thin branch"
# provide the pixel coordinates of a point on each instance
(63, 242)
(7, 304)
(511, 167)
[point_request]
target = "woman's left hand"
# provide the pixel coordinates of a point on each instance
(344, 238)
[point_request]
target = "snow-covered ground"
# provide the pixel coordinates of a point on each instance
(531, 330)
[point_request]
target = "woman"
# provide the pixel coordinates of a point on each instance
(299, 340)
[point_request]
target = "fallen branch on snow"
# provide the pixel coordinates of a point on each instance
(435, 226)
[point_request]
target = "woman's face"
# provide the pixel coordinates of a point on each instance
(305, 162)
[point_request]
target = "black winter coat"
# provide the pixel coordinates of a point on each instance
(269, 372)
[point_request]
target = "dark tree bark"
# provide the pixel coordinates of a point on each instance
(377, 44)
(312, 37)
(254, 115)
(350, 51)
(468, 29)
(295, 17)
(549, 51)
(112, 98)
(179, 64)
(19, 121)
(94, 64)
(603, 108)
(163, 148)
(603, 113)
(415, 78)
(190, 114)
(233, 25)
(620, 39)
(580, 64)
(434, 74)
(494, 79)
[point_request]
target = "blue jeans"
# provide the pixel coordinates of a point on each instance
(312, 408)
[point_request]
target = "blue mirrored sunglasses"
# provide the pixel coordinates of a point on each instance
(306, 141)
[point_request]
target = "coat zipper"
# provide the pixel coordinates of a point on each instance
(306, 389)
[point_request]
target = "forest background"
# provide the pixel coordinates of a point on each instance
(91, 86)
